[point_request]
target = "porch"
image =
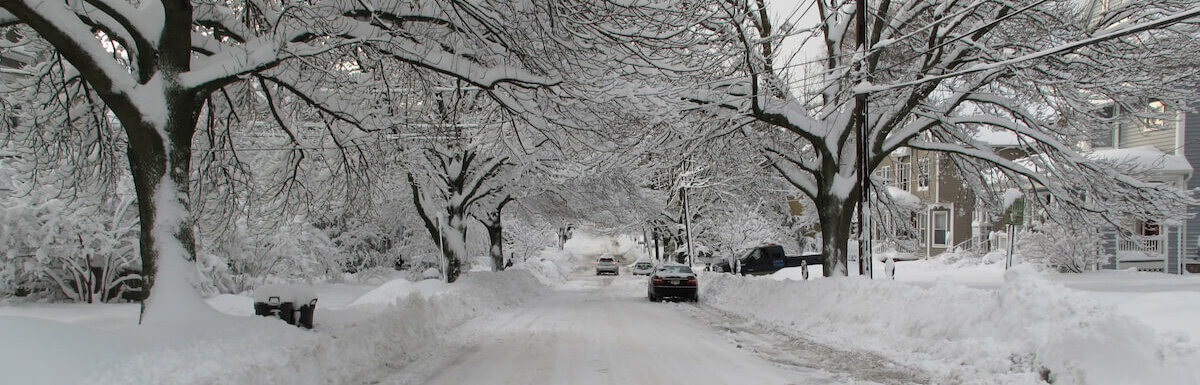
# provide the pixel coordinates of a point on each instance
(1145, 252)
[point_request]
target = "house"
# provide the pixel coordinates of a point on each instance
(1163, 144)
(1161, 151)
(944, 216)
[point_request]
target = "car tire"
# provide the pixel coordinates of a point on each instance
(654, 298)
(695, 298)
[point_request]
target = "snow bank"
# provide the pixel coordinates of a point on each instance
(1015, 334)
(395, 290)
(550, 266)
(350, 345)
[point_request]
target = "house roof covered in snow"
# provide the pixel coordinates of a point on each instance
(1145, 158)
(997, 138)
(903, 197)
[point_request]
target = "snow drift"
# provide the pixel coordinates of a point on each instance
(1026, 331)
(349, 345)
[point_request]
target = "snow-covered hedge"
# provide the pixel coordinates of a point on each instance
(1024, 330)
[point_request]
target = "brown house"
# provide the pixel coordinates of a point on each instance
(944, 218)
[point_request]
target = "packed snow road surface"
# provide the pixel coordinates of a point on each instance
(603, 330)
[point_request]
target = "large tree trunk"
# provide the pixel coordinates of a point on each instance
(495, 230)
(160, 168)
(451, 236)
(456, 246)
(835, 214)
(496, 241)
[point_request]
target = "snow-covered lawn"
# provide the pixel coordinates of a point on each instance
(360, 332)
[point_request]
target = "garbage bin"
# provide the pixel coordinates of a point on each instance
(306, 314)
(293, 304)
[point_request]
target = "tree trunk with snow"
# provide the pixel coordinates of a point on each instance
(444, 234)
(495, 230)
(455, 184)
(157, 112)
(160, 170)
(836, 214)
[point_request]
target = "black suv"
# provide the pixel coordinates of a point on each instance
(766, 259)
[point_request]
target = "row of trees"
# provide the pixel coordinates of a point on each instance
(936, 74)
(318, 87)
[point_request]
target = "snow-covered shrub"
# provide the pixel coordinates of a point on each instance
(80, 250)
(254, 253)
(1067, 248)
(743, 227)
(362, 245)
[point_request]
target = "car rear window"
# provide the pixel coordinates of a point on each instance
(643, 265)
(606, 259)
(677, 269)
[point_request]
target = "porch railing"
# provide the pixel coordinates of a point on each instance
(1150, 245)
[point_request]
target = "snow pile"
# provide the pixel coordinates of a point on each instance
(551, 266)
(398, 289)
(1025, 330)
(350, 345)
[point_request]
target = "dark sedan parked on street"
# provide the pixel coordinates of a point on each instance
(673, 281)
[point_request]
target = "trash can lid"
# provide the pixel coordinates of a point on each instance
(298, 294)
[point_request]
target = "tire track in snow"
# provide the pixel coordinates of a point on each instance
(792, 350)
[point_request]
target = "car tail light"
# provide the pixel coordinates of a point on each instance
(656, 279)
(614, 262)
(691, 281)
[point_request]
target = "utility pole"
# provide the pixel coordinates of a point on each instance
(687, 223)
(654, 232)
(864, 143)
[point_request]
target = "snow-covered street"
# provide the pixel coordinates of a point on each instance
(603, 330)
(549, 320)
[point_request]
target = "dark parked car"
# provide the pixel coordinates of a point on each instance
(673, 281)
(765, 259)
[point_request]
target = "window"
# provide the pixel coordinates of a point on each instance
(922, 229)
(902, 174)
(941, 228)
(923, 174)
(885, 173)
(1150, 228)
(1155, 117)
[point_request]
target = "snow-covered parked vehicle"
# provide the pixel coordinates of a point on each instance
(673, 281)
(765, 259)
(642, 268)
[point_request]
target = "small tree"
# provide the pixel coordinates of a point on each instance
(1070, 247)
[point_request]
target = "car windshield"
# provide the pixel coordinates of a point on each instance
(677, 269)
(642, 265)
